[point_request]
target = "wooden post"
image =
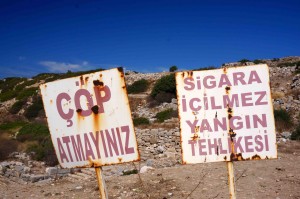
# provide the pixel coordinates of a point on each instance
(231, 180)
(101, 183)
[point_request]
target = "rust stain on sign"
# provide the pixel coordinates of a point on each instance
(217, 121)
(90, 120)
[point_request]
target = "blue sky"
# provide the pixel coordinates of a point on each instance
(146, 36)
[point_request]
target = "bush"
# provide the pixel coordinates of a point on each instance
(17, 106)
(166, 114)
(140, 121)
(258, 61)
(138, 86)
(164, 86)
(244, 61)
(206, 68)
(12, 125)
(7, 146)
(173, 68)
(283, 120)
(296, 134)
(44, 151)
(164, 97)
(7, 96)
(24, 94)
(33, 110)
(33, 132)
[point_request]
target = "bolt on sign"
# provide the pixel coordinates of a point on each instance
(226, 114)
(90, 120)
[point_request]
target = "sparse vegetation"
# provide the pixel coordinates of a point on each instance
(206, 68)
(296, 133)
(33, 132)
(12, 125)
(289, 64)
(164, 89)
(33, 110)
(140, 121)
(283, 120)
(258, 61)
(42, 149)
(138, 86)
(166, 114)
(17, 106)
(24, 94)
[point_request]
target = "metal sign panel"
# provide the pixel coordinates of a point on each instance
(89, 120)
(226, 115)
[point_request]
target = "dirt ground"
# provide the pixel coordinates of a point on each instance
(276, 179)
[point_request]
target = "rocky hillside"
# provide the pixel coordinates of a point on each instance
(23, 128)
(21, 109)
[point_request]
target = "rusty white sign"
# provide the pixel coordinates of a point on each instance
(226, 115)
(90, 120)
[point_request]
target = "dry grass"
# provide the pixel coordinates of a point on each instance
(167, 126)
(295, 93)
(276, 95)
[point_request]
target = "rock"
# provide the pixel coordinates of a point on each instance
(36, 178)
(170, 155)
(26, 170)
(78, 187)
(2, 170)
(51, 170)
(286, 135)
(57, 171)
(160, 149)
(144, 169)
(25, 177)
(153, 140)
(150, 162)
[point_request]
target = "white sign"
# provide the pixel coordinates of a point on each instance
(90, 120)
(226, 114)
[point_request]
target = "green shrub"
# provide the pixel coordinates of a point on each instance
(166, 114)
(296, 134)
(33, 110)
(25, 93)
(283, 120)
(173, 68)
(17, 106)
(244, 61)
(138, 86)
(8, 96)
(8, 84)
(12, 125)
(206, 68)
(44, 151)
(258, 61)
(166, 84)
(24, 84)
(140, 121)
(33, 132)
